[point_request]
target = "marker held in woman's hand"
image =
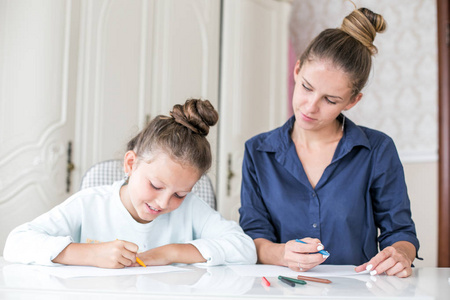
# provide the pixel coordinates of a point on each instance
(319, 248)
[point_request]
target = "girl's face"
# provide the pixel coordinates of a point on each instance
(321, 93)
(155, 188)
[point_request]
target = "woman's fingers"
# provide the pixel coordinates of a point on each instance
(390, 261)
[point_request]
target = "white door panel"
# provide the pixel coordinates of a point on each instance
(137, 59)
(36, 111)
(254, 86)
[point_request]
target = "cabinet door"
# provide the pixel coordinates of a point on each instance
(137, 59)
(36, 107)
(253, 85)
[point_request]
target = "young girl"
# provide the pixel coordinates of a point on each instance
(322, 181)
(151, 215)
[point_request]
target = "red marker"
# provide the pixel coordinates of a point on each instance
(265, 281)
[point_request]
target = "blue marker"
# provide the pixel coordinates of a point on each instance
(323, 252)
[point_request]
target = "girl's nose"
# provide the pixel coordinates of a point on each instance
(163, 200)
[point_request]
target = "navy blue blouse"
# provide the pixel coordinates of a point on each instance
(362, 190)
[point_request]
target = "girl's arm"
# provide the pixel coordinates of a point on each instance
(41, 240)
(206, 237)
(172, 253)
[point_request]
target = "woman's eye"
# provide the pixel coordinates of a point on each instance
(329, 101)
(305, 87)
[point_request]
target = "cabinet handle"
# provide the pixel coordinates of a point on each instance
(70, 166)
(230, 174)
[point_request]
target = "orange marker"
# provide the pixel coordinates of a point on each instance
(139, 261)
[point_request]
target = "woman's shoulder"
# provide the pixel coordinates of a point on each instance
(375, 136)
(272, 138)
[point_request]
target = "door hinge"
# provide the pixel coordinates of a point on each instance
(70, 166)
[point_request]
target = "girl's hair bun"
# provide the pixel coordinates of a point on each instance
(363, 25)
(195, 114)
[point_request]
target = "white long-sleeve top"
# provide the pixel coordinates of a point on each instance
(98, 215)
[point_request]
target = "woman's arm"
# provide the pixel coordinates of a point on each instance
(392, 214)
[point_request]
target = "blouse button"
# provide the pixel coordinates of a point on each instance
(314, 225)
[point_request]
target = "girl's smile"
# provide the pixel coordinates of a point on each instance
(156, 187)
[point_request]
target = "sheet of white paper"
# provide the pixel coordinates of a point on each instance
(275, 271)
(85, 271)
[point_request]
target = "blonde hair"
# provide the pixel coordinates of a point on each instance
(349, 47)
(363, 25)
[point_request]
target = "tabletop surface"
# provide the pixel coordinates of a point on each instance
(218, 282)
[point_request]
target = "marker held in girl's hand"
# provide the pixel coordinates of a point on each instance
(139, 261)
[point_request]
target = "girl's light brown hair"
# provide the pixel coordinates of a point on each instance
(182, 135)
(349, 47)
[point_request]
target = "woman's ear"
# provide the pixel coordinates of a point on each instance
(296, 69)
(354, 101)
(129, 161)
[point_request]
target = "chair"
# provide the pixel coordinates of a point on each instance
(108, 171)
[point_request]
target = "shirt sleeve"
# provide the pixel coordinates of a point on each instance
(390, 199)
(220, 241)
(41, 240)
(255, 218)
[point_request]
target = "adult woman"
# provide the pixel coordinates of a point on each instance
(321, 179)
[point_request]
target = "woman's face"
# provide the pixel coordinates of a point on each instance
(321, 92)
(156, 188)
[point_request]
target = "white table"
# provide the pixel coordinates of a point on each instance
(219, 283)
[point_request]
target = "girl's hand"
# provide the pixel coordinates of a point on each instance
(114, 255)
(394, 260)
(302, 257)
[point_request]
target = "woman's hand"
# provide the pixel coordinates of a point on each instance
(302, 257)
(394, 260)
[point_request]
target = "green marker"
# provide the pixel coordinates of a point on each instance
(298, 281)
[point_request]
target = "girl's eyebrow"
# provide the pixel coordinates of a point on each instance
(329, 96)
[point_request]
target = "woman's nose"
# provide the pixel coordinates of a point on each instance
(312, 104)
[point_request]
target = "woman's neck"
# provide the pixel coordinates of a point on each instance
(317, 138)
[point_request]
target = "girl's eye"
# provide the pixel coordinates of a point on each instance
(154, 187)
(329, 101)
(179, 197)
(305, 87)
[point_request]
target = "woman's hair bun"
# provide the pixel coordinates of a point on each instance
(363, 25)
(197, 115)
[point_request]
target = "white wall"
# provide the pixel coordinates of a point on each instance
(422, 179)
